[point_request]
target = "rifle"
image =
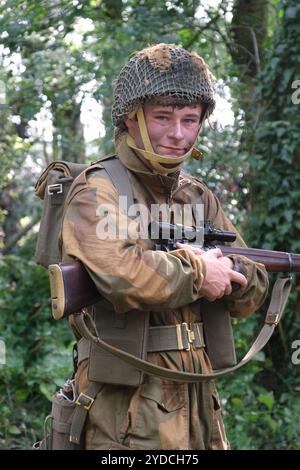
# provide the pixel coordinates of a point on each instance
(73, 289)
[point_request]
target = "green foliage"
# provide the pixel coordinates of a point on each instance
(275, 181)
(38, 352)
(223, 170)
(259, 418)
(260, 402)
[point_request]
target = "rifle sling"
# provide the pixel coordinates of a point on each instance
(278, 301)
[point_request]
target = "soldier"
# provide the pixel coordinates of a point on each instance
(161, 98)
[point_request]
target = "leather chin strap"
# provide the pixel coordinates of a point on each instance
(155, 159)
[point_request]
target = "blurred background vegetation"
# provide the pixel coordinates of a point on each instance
(58, 59)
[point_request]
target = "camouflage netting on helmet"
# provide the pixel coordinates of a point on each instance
(162, 70)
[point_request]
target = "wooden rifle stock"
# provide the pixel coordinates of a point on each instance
(73, 289)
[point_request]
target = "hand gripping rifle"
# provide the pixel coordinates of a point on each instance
(72, 288)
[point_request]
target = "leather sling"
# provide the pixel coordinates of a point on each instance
(274, 313)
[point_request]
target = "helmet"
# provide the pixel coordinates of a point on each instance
(162, 70)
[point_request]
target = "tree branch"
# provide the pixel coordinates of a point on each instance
(16, 238)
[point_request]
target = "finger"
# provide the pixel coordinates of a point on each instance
(196, 250)
(180, 245)
(228, 290)
(211, 299)
(215, 253)
(183, 245)
(226, 262)
(239, 279)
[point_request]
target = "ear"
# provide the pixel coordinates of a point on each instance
(129, 122)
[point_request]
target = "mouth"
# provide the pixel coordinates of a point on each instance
(172, 150)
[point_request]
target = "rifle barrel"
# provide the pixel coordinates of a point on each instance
(274, 261)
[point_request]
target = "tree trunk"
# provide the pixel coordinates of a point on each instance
(248, 32)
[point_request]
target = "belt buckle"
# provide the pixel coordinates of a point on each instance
(272, 318)
(84, 400)
(190, 335)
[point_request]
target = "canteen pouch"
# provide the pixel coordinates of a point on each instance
(60, 420)
(62, 414)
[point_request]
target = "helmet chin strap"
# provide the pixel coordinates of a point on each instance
(155, 159)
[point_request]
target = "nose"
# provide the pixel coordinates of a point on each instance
(176, 131)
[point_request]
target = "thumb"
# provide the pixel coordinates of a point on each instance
(239, 279)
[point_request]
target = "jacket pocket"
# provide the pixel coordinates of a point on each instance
(155, 417)
(167, 396)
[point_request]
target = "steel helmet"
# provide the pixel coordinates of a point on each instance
(162, 70)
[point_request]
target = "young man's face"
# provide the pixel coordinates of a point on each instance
(172, 130)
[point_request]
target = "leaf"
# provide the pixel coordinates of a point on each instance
(237, 402)
(14, 430)
(267, 400)
(272, 423)
(44, 390)
(280, 131)
(21, 394)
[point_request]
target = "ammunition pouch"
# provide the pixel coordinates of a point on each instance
(126, 331)
(130, 332)
(218, 334)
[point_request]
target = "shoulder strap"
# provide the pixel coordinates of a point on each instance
(279, 298)
(119, 177)
(117, 174)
